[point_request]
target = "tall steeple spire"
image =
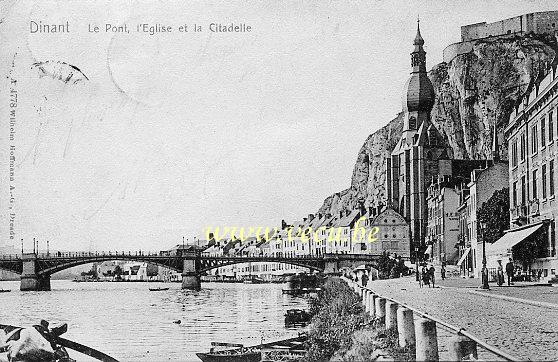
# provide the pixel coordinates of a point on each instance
(418, 94)
(418, 56)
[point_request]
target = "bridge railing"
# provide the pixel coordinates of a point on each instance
(139, 253)
(10, 256)
(422, 334)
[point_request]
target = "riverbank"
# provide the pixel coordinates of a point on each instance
(341, 330)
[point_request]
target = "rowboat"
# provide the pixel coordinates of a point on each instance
(4, 290)
(300, 291)
(157, 289)
(296, 317)
(237, 352)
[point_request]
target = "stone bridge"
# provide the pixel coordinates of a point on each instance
(35, 269)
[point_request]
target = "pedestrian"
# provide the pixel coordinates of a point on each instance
(443, 271)
(425, 276)
(364, 279)
(509, 270)
(500, 273)
(419, 277)
(432, 271)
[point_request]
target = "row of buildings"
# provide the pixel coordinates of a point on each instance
(363, 231)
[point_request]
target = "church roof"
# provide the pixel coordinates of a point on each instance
(418, 38)
(418, 94)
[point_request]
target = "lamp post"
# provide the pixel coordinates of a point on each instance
(417, 263)
(484, 269)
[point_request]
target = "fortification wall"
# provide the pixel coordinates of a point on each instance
(538, 23)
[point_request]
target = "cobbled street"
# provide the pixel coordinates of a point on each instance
(525, 331)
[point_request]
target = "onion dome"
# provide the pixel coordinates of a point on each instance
(418, 94)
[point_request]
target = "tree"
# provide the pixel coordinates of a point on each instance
(531, 248)
(495, 214)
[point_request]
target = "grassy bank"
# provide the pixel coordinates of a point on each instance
(341, 330)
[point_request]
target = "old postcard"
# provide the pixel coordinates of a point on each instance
(278, 180)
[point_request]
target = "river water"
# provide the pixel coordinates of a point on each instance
(130, 323)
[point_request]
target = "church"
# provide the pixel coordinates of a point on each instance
(421, 155)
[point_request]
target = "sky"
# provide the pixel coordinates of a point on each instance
(161, 136)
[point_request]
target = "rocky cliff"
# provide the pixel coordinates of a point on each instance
(474, 92)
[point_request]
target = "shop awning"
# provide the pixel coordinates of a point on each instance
(462, 259)
(511, 238)
(428, 250)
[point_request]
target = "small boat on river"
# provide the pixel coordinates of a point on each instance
(253, 280)
(4, 290)
(297, 317)
(157, 289)
(225, 352)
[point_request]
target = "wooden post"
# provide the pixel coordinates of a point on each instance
(380, 306)
(405, 327)
(461, 346)
(391, 315)
(372, 305)
(426, 340)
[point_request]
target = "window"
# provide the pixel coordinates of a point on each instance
(543, 176)
(552, 238)
(551, 178)
(523, 146)
(514, 153)
(534, 139)
(543, 134)
(550, 128)
(534, 185)
(514, 194)
(523, 190)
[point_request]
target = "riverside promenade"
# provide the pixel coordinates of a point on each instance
(524, 327)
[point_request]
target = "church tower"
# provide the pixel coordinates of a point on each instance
(421, 153)
(418, 94)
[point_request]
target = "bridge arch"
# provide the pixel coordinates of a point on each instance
(169, 263)
(205, 267)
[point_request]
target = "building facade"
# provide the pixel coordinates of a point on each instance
(484, 183)
(443, 221)
(532, 139)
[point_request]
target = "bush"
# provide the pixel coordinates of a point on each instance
(336, 313)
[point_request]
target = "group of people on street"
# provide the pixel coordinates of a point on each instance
(426, 276)
(510, 269)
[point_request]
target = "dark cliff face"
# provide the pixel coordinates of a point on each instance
(473, 92)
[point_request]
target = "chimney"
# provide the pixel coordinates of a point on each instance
(370, 211)
(283, 224)
(328, 216)
(320, 216)
(310, 217)
(304, 219)
(340, 214)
